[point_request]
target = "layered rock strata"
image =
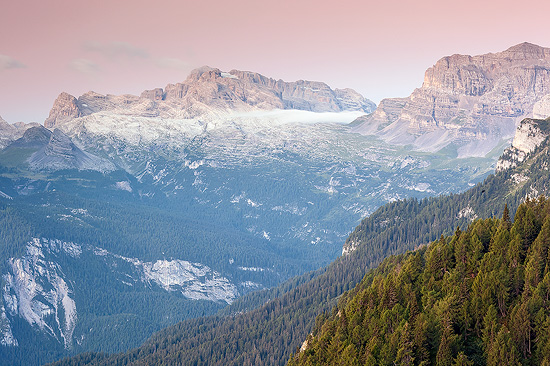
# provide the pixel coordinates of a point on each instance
(472, 102)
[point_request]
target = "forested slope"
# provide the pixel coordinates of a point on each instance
(271, 332)
(480, 296)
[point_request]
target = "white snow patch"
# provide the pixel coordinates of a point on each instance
(193, 164)
(124, 186)
(228, 75)
(284, 116)
(252, 203)
(249, 285)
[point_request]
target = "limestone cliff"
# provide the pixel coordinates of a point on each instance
(472, 102)
(529, 135)
(64, 108)
(209, 90)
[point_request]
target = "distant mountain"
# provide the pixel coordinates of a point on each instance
(283, 318)
(51, 151)
(467, 103)
(11, 132)
(211, 90)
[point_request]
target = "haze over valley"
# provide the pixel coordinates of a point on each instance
(197, 192)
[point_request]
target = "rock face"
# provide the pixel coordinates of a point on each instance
(471, 101)
(34, 137)
(64, 108)
(37, 290)
(207, 89)
(6, 133)
(529, 135)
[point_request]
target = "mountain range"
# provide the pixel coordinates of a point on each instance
(125, 214)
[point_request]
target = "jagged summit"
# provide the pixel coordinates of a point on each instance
(528, 50)
(65, 107)
(472, 103)
(208, 89)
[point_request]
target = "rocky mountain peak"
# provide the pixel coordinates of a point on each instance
(208, 91)
(11, 132)
(64, 108)
(33, 137)
(527, 50)
(471, 102)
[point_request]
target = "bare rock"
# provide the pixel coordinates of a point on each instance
(34, 137)
(530, 134)
(244, 89)
(64, 108)
(155, 94)
(471, 101)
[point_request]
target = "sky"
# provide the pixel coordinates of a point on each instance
(379, 48)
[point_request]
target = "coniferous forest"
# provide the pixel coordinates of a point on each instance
(478, 297)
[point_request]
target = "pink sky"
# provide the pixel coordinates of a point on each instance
(380, 48)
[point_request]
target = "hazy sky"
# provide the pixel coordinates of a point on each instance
(380, 48)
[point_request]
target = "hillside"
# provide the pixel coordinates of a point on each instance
(270, 333)
(480, 296)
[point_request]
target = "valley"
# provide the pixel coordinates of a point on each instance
(126, 214)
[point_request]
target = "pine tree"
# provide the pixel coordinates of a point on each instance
(506, 222)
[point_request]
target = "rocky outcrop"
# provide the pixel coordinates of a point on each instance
(472, 102)
(530, 134)
(64, 108)
(36, 290)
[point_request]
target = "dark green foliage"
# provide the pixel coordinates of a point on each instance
(459, 316)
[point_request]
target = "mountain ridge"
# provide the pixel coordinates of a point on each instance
(209, 88)
(472, 102)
